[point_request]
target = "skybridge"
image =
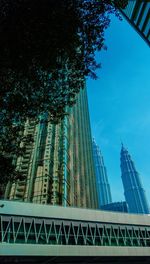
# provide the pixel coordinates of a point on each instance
(36, 233)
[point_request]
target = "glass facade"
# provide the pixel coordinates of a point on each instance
(138, 15)
(103, 187)
(116, 207)
(133, 189)
(58, 165)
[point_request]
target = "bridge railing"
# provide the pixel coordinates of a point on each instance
(35, 230)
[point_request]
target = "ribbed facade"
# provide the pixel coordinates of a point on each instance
(137, 14)
(133, 189)
(103, 187)
(116, 207)
(58, 165)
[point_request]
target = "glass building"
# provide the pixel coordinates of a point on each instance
(58, 165)
(133, 189)
(137, 13)
(116, 207)
(103, 187)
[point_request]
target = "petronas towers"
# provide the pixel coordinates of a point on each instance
(134, 193)
(103, 187)
(133, 189)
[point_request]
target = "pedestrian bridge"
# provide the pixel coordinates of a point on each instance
(54, 234)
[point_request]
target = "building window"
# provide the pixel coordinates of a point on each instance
(138, 13)
(144, 15)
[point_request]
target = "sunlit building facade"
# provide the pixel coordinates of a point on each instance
(133, 190)
(58, 165)
(103, 187)
(137, 13)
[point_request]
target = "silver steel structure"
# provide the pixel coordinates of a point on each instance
(102, 183)
(133, 189)
(29, 229)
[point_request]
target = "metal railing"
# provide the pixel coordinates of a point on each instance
(32, 230)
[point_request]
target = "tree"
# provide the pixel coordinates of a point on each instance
(47, 50)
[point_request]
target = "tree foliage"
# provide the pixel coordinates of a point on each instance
(46, 51)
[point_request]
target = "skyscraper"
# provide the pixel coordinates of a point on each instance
(103, 188)
(116, 207)
(133, 189)
(58, 166)
(137, 13)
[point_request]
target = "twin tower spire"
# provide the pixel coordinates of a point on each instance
(133, 189)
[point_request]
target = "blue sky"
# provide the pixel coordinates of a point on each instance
(119, 104)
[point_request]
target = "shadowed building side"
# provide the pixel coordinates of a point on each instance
(137, 13)
(133, 189)
(58, 165)
(103, 187)
(116, 206)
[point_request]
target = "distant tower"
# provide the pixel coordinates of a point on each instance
(133, 189)
(103, 188)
